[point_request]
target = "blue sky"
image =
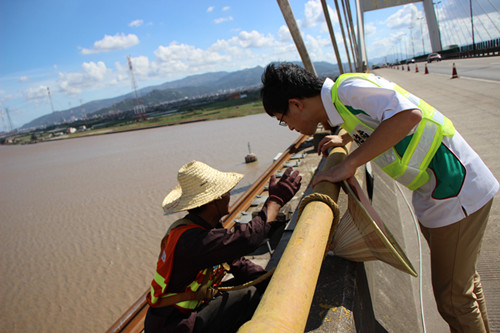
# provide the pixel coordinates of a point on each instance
(78, 49)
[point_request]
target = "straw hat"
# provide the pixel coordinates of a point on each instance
(199, 184)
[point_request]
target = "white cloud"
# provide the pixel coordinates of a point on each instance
(136, 23)
(320, 48)
(313, 13)
(112, 43)
(140, 65)
(24, 78)
(94, 71)
(122, 72)
(92, 75)
(314, 16)
(284, 34)
(245, 48)
(178, 57)
(5, 97)
(252, 39)
(245, 39)
(285, 51)
(37, 94)
(251, 48)
(370, 29)
(403, 18)
(226, 8)
(210, 9)
(223, 19)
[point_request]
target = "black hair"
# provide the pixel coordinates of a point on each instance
(283, 81)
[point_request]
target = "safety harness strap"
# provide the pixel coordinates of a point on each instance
(203, 293)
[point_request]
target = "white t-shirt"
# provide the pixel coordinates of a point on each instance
(378, 104)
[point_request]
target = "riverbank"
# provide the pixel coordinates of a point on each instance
(206, 113)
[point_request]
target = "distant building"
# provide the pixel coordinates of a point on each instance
(234, 95)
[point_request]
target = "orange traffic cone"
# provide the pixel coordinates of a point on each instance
(454, 74)
(416, 68)
(426, 70)
(408, 68)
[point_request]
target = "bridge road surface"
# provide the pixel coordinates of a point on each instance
(473, 104)
(480, 68)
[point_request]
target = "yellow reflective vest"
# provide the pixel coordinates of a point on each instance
(408, 164)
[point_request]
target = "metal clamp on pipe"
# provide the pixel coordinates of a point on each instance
(286, 303)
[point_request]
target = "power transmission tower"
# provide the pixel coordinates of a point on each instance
(139, 109)
(50, 99)
(8, 118)
(84, 114)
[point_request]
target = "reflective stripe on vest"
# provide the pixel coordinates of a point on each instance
(215, 273)
(410, 169)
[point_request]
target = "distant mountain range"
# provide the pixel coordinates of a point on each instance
(189, 87)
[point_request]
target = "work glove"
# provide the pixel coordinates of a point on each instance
(283, 190)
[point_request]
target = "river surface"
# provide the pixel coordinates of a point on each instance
(81, 219)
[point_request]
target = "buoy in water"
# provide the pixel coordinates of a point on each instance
(251, 157)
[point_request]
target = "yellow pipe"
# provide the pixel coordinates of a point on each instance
(286, 303)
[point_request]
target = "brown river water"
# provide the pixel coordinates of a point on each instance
(81, 219)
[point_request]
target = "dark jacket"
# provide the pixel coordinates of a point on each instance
(198, 249)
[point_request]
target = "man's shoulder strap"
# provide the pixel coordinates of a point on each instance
(184, 224)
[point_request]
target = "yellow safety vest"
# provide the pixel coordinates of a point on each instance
(410, 168)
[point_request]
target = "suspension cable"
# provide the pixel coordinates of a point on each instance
(489, 18)
(461, 24)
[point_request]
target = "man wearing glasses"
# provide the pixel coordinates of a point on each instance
(416, 145)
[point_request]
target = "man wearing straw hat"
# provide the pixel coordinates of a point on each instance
(416, 145)
(197, 249)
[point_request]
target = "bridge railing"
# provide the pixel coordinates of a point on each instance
(286, 303)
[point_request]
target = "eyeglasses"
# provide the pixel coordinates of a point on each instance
(282, 122)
